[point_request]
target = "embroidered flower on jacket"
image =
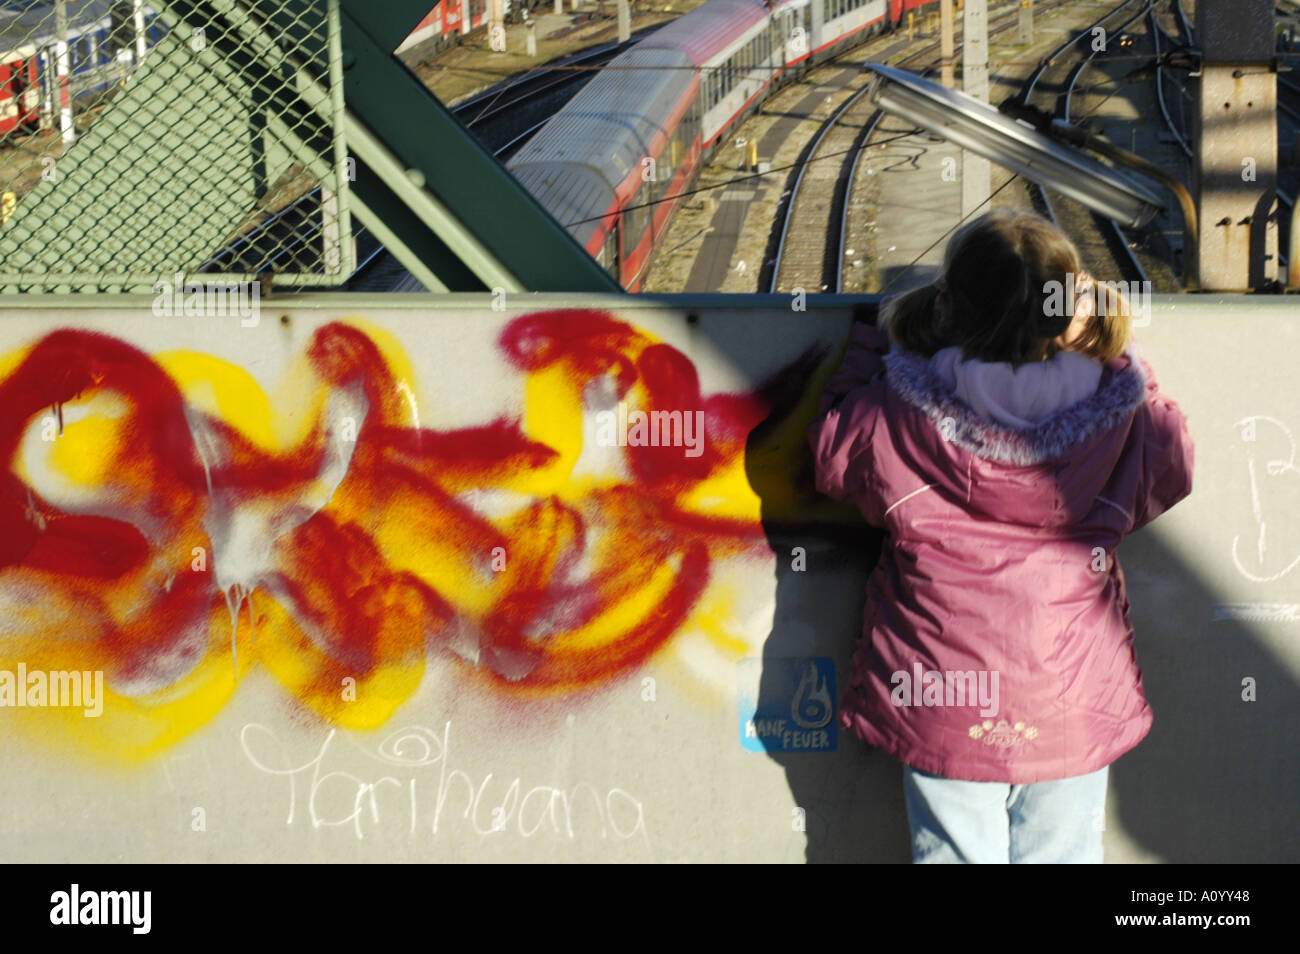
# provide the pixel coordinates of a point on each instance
(1003, 734)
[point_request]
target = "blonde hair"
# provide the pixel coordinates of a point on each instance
(998, 278)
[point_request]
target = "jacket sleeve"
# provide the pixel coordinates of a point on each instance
(849, 410)
(1167, 454)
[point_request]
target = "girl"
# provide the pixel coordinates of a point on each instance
(1006, 444)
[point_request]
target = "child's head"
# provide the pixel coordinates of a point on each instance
(1000, 297)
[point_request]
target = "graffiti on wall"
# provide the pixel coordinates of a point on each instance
(167, 521)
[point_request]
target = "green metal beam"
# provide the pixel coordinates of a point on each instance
(178, 158)
(478, 192)
(206, 128)
(390, 22)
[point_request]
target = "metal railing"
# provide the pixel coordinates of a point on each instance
(199, 139)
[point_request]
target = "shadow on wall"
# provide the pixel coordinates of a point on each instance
(851, 798)
(1216, 780)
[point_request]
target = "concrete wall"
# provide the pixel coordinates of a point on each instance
(366, 581)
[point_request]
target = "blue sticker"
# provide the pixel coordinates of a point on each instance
(787, 705)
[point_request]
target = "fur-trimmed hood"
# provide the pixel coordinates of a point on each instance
(1118, 395)
(1000, 559)
(1048, 474)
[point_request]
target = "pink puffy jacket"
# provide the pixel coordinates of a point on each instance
(997, 645)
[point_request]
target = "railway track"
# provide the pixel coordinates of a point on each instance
(1101, 241)
(1057, 78)
(503, 117)
(298, 227)
(812, 226)
(1150, 255)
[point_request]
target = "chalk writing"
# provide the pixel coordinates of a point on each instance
(1274, 469)
(421, 788)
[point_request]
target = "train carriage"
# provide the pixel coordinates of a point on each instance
(637, 134)
(101, 49)
(614, 149)
(20, 95)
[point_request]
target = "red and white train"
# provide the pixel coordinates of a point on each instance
(639, 131)
(445, 22)
(104, 39)
(105, 36)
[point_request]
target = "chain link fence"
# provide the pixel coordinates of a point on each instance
(146, 143)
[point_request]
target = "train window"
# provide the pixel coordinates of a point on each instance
(609, 252)
(635, 220)
(662, 181)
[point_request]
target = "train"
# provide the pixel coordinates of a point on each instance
(103, 46)
(444, 23)
(610, 161)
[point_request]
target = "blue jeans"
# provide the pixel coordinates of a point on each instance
(960, 822)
